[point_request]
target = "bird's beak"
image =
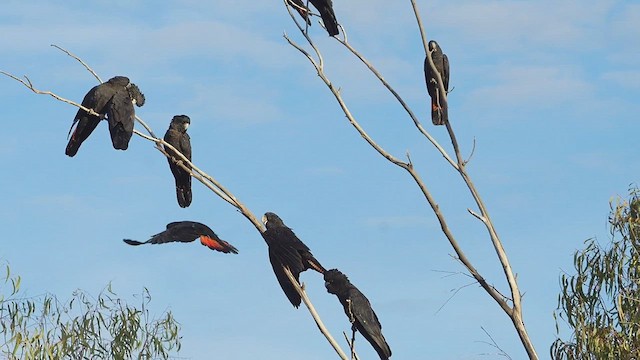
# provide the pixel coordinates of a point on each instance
(264, 219)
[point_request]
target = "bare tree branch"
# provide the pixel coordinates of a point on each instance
(441, 219)
(515, 311)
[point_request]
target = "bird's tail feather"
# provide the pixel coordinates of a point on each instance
(217, 244)
(184, 196)
(120, 137)
(72, 147)
(330, 22)
(439, 114)
(133, 242)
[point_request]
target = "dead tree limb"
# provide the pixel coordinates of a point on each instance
(511, 306)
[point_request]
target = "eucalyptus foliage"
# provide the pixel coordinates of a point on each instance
(601, 302)
(104, 327)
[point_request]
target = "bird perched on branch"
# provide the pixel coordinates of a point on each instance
(358, 310)
(439, 109)
(188, 231)
(122, 115)
(325, 8)
(97, 99)
(177, 136)
(286, 250)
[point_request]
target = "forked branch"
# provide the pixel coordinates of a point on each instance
(514, 311)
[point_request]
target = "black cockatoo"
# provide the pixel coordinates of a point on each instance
(358, 310)
(177, 136)
(97, 99)
(188, 231)
(121, 115)
(439, 108)
(286, 250)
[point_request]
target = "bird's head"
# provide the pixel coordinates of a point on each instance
(271, 220)
(433, 46)
(119, 81)
(180, 123)
(137, 97)
(336, 282)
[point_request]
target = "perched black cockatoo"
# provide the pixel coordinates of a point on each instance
(358, 310)
(188, 231)
(97, 99)
(299, 6)
(439, 109)
(177, 136)
(121, 115)
(286, 250)
(325, 8)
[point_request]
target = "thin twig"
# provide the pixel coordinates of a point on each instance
(495, 344)
(89, 69)
(473, 150)
(455, 292)
(351, 343)
(423, 35)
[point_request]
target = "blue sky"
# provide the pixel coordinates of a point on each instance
(547, 89)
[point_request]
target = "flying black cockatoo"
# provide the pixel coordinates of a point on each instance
(188, 231)
(325, 8)
(358, 310)
(121, 115)
(97, 99)
(439, 109)
(286, 250)
(177, 136)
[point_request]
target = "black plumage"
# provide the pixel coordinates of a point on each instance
(439, 108)
(299, 6)
(358, 310)
(121, 115)
(97, 99)
(286, 250)
(177, 136)
(325, 8)
(188, 231)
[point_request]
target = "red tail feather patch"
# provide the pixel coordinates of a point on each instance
(211, 243)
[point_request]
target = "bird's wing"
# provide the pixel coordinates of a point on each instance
(102, 95)
(176, 232)
(445, 72)
(185, 145)
(120, 110)
(367, 322)
(283, 279)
